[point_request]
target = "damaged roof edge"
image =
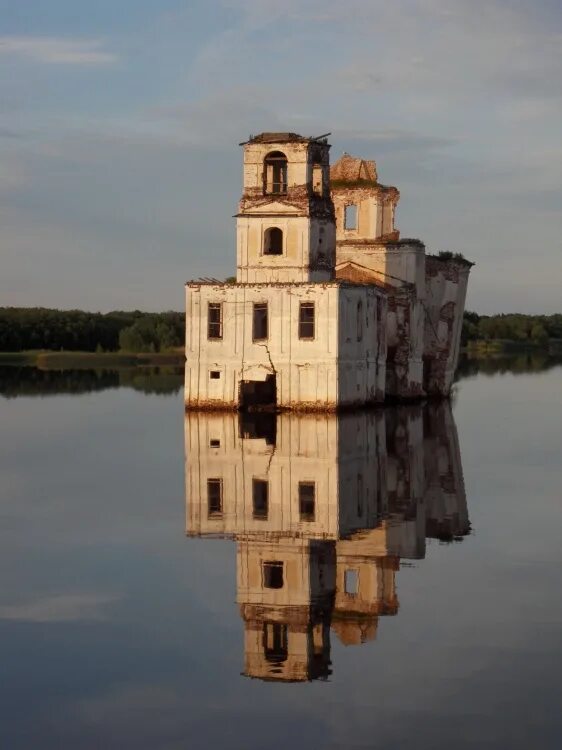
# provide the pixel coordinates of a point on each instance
(283, 138)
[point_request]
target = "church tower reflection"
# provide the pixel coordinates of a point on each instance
(322, 508)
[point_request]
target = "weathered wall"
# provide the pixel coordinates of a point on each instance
(308, 248)
(311, 374)
(400, 267)
(446, 283)
(304, 213)
(375, 212)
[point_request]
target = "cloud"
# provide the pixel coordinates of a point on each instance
(57, 50)
(59, 608)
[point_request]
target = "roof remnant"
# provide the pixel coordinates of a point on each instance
(350, 169)
(283, 138)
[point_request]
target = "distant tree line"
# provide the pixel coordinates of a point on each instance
(523, 329)
(74, 330)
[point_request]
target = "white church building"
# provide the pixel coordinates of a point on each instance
(305, 325)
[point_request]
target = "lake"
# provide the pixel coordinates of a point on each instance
(388, 579)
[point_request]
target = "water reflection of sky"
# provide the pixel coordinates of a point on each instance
(117, 631)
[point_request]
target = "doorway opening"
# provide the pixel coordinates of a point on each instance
(258, 395)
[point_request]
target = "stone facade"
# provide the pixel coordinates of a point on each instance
(330, 309)
(322, 509)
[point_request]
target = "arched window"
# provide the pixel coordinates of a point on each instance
(273, 241)
(275, 173)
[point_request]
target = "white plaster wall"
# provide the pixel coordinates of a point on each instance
(308, 372)
(301, 246)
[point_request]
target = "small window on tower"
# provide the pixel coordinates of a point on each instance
(317, 179)
(350, 220)
(260, 322)
(306, 320)
(275, 173)
(275, 642)
(214, 497)
(273, 241)
(273, 575)
(351, 582)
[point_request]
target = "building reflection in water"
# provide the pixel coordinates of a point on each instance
(322, 508)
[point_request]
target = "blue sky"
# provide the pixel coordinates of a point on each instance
(120, 121)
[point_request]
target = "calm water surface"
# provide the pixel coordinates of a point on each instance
(382, 580)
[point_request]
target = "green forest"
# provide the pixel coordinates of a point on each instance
(32, 328)
(534, 330)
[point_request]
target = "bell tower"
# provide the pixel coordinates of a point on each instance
(286, 222)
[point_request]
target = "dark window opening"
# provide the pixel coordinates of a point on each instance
(214, 320)
(215, 443)
(273, 575)
(214, 497)
(275, 173)
(260, 498)
(360, 491)
(307, 497)
(273, 241)
(260, 322)
(214, 374)
(350, 218)
(275, 642)
(306, 320)
(317, 187)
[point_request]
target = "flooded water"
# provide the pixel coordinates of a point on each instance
(388, 579)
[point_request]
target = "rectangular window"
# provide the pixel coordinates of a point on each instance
(214, 497)
(306, 320)
(317, 179)
(351, 580)
(350, 219)
(273, 575)
(260, 322)
(214, 443)
(260, 498)
(214, 320)
(307, 497)
(215, 374)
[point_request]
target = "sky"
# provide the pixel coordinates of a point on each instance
(120, 120)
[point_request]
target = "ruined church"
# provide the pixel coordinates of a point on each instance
(330, 308)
